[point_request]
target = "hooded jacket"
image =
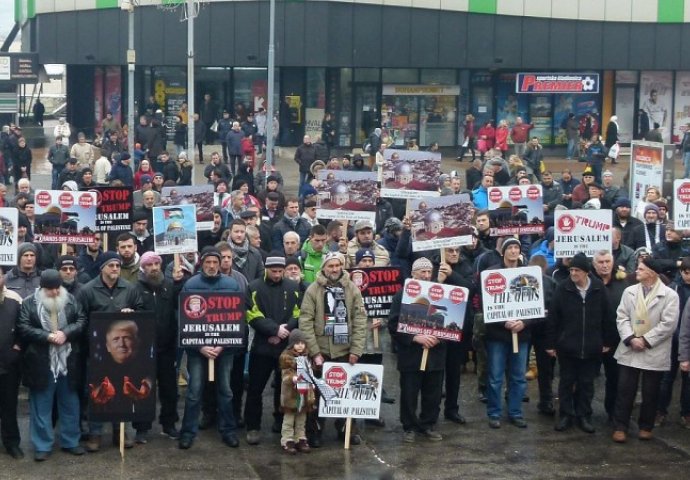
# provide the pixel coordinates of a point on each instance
(311, 261)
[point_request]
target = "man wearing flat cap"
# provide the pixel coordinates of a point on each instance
(334, 323)
(364, 238)
(272, 312)
(646, 318)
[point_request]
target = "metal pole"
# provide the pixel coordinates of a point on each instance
(271, 87)
(131, 61)
(190, 85)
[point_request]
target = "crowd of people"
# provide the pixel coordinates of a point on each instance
(291, 267)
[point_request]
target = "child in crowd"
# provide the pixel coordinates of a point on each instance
(296, 395)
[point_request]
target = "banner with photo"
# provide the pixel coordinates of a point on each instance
(346, 195)
(122, 367)
(377, 286)
(212, 319)
(646, 169)
(516, 210)
(174, 229)
(681, 204)
(8, 236)
(410, 174)
(65, 217)
(586, 231)
(430, 308)
(357, 390)
(441, 222)
(200, 195)
(113, 209)
(656, 96)
(512, 294)
(681, 108)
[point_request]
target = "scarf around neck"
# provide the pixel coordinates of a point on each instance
(240, 253)
(642, 324)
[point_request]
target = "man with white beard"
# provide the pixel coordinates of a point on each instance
(51, 323)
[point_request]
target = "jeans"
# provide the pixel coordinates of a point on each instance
(235, 163)
(9, 389)
(571, 150)
(686, 163)
(197, 366)
(40, 409)
(628, 379)
(302, 179)
(55, 175)
(520, 148)
(499, 356)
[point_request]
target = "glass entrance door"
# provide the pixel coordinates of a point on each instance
(367, 116)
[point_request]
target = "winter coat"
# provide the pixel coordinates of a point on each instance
(234, 141)
(544, 251)
(288, 390)
(185, 174)
(667, 255)
(663, 314)
(580, 332)
(9, 313)
(162, 300)
(34, 340)
(552, 194)
(95, 296)
(384, 211)
(122, 172)
(21, 283)
(311, 262)
(501, 140)
(282, 226)
(180, 137)
(633, 236)
(409, 352)
(224, 127)
(381, 257)
(305, 155)
(270, 305)
(254, 266)
(312, 319)
(533, 158)
(625, 257)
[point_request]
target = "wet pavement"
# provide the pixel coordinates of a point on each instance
(467, 451)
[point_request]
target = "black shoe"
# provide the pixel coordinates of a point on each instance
(525, 398)
(171, 432)
(482, 397)
(564, 423)
(185, 443)
(207, 421)
(15, 452)
(355, 439)
(455, 417)
(231, 440)
(77, 451)
(385, 398)
(41, 456)
(546, 409)
(494, 422)
(239, 421)
(315, 440)
(277, 425)
(518, 422)
(585, 424)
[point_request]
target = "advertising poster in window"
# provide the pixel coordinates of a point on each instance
(625, 111)
(510, 105)
(681, 109)
(646, 168)
(656, 92)
(540, 117)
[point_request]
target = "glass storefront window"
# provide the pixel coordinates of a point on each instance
(316, 88)
(251, 89)
(399, 115)
(366, 74)
(540, 110)
(345, 118)
(438, 116)
(444, 76)
(399, 75)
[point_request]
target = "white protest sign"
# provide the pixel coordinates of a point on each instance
(8, 236)
(681, 204)
(512, 294)
(357, 390)
(586, 231)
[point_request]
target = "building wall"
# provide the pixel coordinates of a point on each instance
(332, 33)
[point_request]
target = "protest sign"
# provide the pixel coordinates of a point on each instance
(410, 174)
(377, 285)
(122, 367)
(681, 204)
(516, 210)
(113, 209)
(200, 195)
(651, 165)
(174, 229)
(512, 294)
(65, 217)
(430, 308)
(8, 236)
(441, 222)
(586, 231)
(346, 195)
(357, 390)
(212, 319)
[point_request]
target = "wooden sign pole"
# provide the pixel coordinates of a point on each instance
(516, 349)
(211, 370)
(348, 431)
(425, 357)
(375, 333)
(104, 241)
(122, 440)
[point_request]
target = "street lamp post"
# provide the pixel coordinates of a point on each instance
(128, 6)
(190, 84)
(271, 87)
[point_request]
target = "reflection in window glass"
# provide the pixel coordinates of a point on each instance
(366, 74)
(345, 118)
(316, 88)
(400, 75)
(251, 89)
(439, 76)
